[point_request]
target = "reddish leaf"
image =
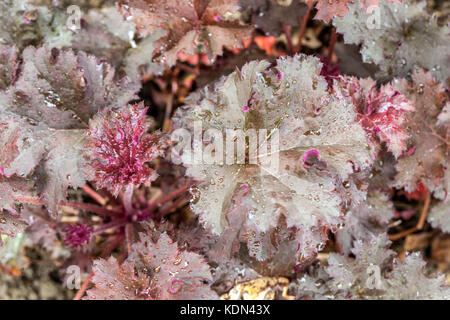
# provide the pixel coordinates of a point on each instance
(177, 275)
(428, 156)
(153, 271)
(327, 9)
(117, 282)
(192, 26)
(105, 34)
(382, 113)
(10, 188)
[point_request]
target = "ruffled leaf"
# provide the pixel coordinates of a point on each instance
(22, 23)
(193, 26)
(427, 158)
(409, 281)
(321, 146)
(45, 113)
(176, 274)
(117, 282)
(153, 271)
(364, 222)
(397, 40)
(327, 9)
(107, 35)
(373, 274)
(439, 216)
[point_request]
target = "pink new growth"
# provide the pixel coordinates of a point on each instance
(77, 235)
(121, 147)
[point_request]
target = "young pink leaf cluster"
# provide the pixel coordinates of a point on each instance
(382, 112)
(119, 148)
(77, 235)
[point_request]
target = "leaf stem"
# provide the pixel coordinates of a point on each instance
(128, 199)
(94, 195)
(83, 287)
(29, 200)
(112, 224)
(83, 206)
(169, 107)
(303, 25)
(287, 32)
(90, 207)
(332, 43)
(152, 206)
(129, 236)
(170, 209)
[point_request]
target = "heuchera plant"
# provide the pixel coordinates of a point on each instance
(120, 135)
